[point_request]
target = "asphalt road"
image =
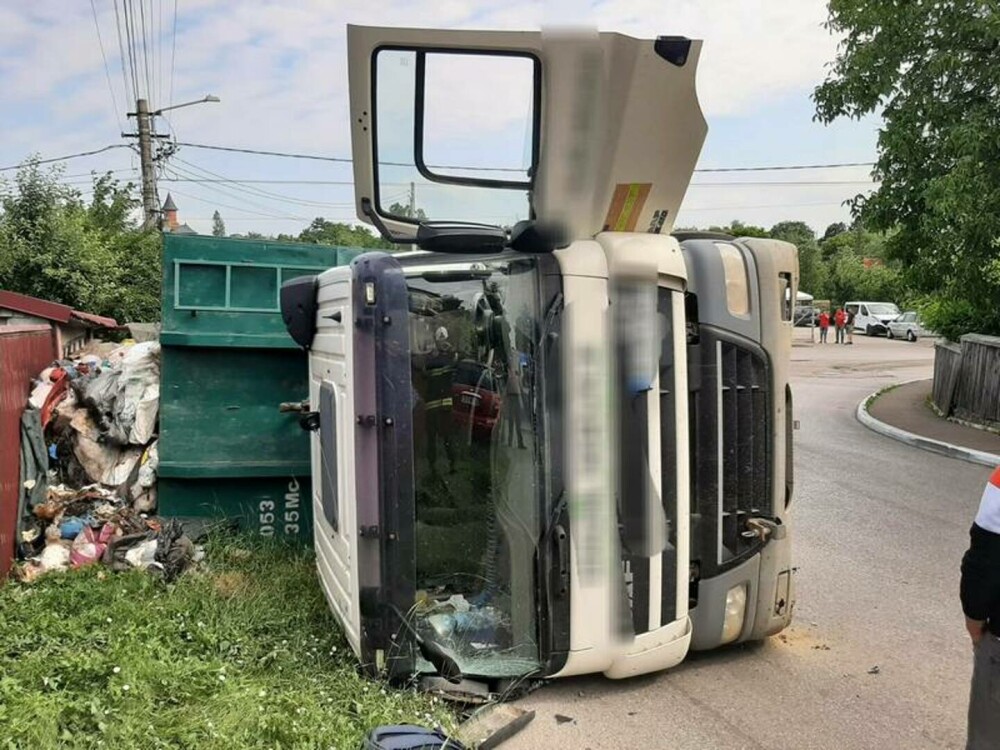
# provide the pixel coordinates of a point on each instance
(879, 529)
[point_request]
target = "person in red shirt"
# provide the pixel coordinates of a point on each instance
(839, 318)
(824, 326)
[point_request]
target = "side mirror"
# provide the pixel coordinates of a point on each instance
(298, 309)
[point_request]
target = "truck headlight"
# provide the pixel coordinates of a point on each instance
(736, 607)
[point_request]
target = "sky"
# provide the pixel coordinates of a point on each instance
(280, 70)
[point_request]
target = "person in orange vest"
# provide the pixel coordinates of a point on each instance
(980, 595)
(839, 318)
(824, 326)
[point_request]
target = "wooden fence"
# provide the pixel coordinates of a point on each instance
(967, 379)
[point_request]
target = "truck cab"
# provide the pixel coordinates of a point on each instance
(556, 439)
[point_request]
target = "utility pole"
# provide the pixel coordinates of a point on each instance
(149, 207)
(144, 122)
(413, 201)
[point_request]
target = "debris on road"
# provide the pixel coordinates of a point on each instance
(89, 462)
(874, 670)
(492, 725)
(561, 719)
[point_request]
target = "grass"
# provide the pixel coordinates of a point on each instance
(242, 653)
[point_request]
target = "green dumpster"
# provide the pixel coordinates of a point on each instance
(226, 452)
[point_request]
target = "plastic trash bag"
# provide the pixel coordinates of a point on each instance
(89, 545)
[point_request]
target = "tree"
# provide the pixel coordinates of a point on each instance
(737, 228)
(813, 273)
(931, 69)
(218, 225)
(398, 209)
(92, 257)
(834, 229)
(324, 232)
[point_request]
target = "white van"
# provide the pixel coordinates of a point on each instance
(872, 318)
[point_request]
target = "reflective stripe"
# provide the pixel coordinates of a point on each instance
(988, 516)
(440, 371)
(441, 402)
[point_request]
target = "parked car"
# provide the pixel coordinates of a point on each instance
(907, 326)
(475, 401)
(872, 318)
(806, 315)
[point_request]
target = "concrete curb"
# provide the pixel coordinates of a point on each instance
(918, 441)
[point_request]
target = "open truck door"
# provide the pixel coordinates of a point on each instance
(574, 134)
(542, 525)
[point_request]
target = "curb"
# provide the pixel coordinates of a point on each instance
(918, 441)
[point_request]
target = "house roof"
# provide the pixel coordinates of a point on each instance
(41, 308)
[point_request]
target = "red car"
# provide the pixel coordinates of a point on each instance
(475, 404)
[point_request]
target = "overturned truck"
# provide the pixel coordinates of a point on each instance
(558, 442)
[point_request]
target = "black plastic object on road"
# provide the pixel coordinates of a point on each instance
(408, 737)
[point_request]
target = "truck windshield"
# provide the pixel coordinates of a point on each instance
(474, 332)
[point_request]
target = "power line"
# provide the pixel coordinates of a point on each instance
(129, 14)
(257, 192)
(232, 193)
(145, 48)
(107, 70)
(789, 183)
(345, 160)
(173, 54)
(789, 166)
(67, 157)
(265, 153)
(768, 205)
(240, 208)
(121, 47)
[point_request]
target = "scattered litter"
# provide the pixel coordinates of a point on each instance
(492, 725)
(874, 670)
(560, 719)
(89, 545)
(142, 555)
(89, 463)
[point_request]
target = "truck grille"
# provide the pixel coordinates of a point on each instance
(731, 457)
(744, 399)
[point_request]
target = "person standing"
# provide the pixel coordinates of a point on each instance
(439, 372)
(824, 326)
(514, 404)
(838, 321)
(980, 596)
(849, 324)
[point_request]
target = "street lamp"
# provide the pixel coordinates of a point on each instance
(144, 120)
(208, 98)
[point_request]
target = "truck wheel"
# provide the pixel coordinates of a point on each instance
(911, 336)
(870, 330)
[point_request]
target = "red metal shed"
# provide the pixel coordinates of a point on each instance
(24, 352)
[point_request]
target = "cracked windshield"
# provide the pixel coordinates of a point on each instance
(472, 340)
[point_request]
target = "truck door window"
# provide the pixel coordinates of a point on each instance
(477, 458)
(455, 135)
(737, 284)
(475, 116)
(785, 290)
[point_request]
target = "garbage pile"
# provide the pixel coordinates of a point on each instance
(88, 468)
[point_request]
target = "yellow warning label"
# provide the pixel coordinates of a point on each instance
(626, 205)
